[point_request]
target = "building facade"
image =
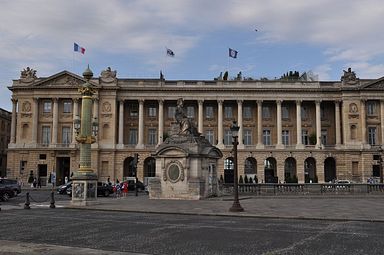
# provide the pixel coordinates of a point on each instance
(5, 133)
(290, 130)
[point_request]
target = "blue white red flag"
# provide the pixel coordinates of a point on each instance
(77, 48)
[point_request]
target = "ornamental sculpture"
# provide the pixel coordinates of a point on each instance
(186, 126)
(349, 77)
(27, 75)
(108, 75)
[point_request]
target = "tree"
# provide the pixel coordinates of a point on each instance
(241, 179)
(312, 138)
(245, 179)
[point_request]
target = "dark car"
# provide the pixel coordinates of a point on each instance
(12, 184)
(5, 193)
(103, 189)
(62, 189)
(131, 185)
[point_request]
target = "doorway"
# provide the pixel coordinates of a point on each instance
(63, 169)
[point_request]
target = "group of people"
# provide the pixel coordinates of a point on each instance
(119, 189)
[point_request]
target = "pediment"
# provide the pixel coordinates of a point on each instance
(374, 85)
(63, 79)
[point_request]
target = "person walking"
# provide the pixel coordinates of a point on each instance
(34, 183)
(39, 182)
(125, 189)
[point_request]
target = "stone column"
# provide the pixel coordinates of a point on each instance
(140, 143)
(121, 124)
(337, 124)
(299, 139)
(279, 144)
(55, 120)
(35, 120)
(96, 108)
(318, 125)
(381, 120)
(363, 123)
(75, 116)
(240, 123)
(13, 121)
(200, 117)
(260, 144)
(220, 143)
(161, 121)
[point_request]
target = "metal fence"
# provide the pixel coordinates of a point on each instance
(304, 189)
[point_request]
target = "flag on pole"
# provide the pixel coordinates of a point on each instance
(77, 48)
(233, 53)
(170, 53)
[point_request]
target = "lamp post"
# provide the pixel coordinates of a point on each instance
(84, 187)
(236, 207)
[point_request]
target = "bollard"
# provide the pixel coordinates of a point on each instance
(52, 200)
(27, 203)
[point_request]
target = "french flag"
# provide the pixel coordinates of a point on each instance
(77, 48)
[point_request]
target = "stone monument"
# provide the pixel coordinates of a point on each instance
(186, 163)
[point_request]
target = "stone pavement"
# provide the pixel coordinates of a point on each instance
(358, 208)
(340, 208)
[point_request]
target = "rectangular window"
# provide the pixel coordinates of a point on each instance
(323, 114)
(190, 112)
(23, 165)
(132, 136)
(46, 135)
(209, 135)
(247, 137)
(324, 134)
(267, 137)
(152, 136)
(371, 108)
(171, 112)
(247, 112)
(151, 111)
(355, 168)
(67, 106)
(47, 106)
(304, 137)
(209, 112)
(227, 137)
(372, 135)
(285, 112)
(266, 112)
(285, 137)
(67, 135)
(133, 110)
(228, 112)
(104, 169)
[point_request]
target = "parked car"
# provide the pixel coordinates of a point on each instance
(131, 185)
(13, 185)
(62, 189)
(103, 189)
(5, 193)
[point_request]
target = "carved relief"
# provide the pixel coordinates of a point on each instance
(26, 107)
(106, 107)
(353, 108)
(174, 171)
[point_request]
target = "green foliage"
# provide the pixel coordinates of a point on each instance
(241, 179)
(246, 179)
(312, 138)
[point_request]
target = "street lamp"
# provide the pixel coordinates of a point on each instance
(236, 207)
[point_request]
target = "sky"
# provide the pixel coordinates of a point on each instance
(271, 37)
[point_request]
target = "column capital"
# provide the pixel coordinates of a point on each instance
(318, 102)
(299, 102)
(220, 101)
(363, 100)
(337, 101)
(95, 99)
(14, 99)
(35, 99)
(55, 99)
(160, 101)
(239, 101)
(259, 102)
(200, 102)
(75, 99)
(278, 102)
(141, 100)
(121, 101)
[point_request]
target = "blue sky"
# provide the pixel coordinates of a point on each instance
(324, 36)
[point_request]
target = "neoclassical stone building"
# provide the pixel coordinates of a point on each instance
(5, 132)
(308, 131)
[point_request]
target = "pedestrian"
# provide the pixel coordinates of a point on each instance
(34, 183)
(125, 188)
(109, 181)
(66, 179)
(39, 182)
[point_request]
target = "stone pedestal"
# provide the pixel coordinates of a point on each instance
(187, 169)
(84, 189)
